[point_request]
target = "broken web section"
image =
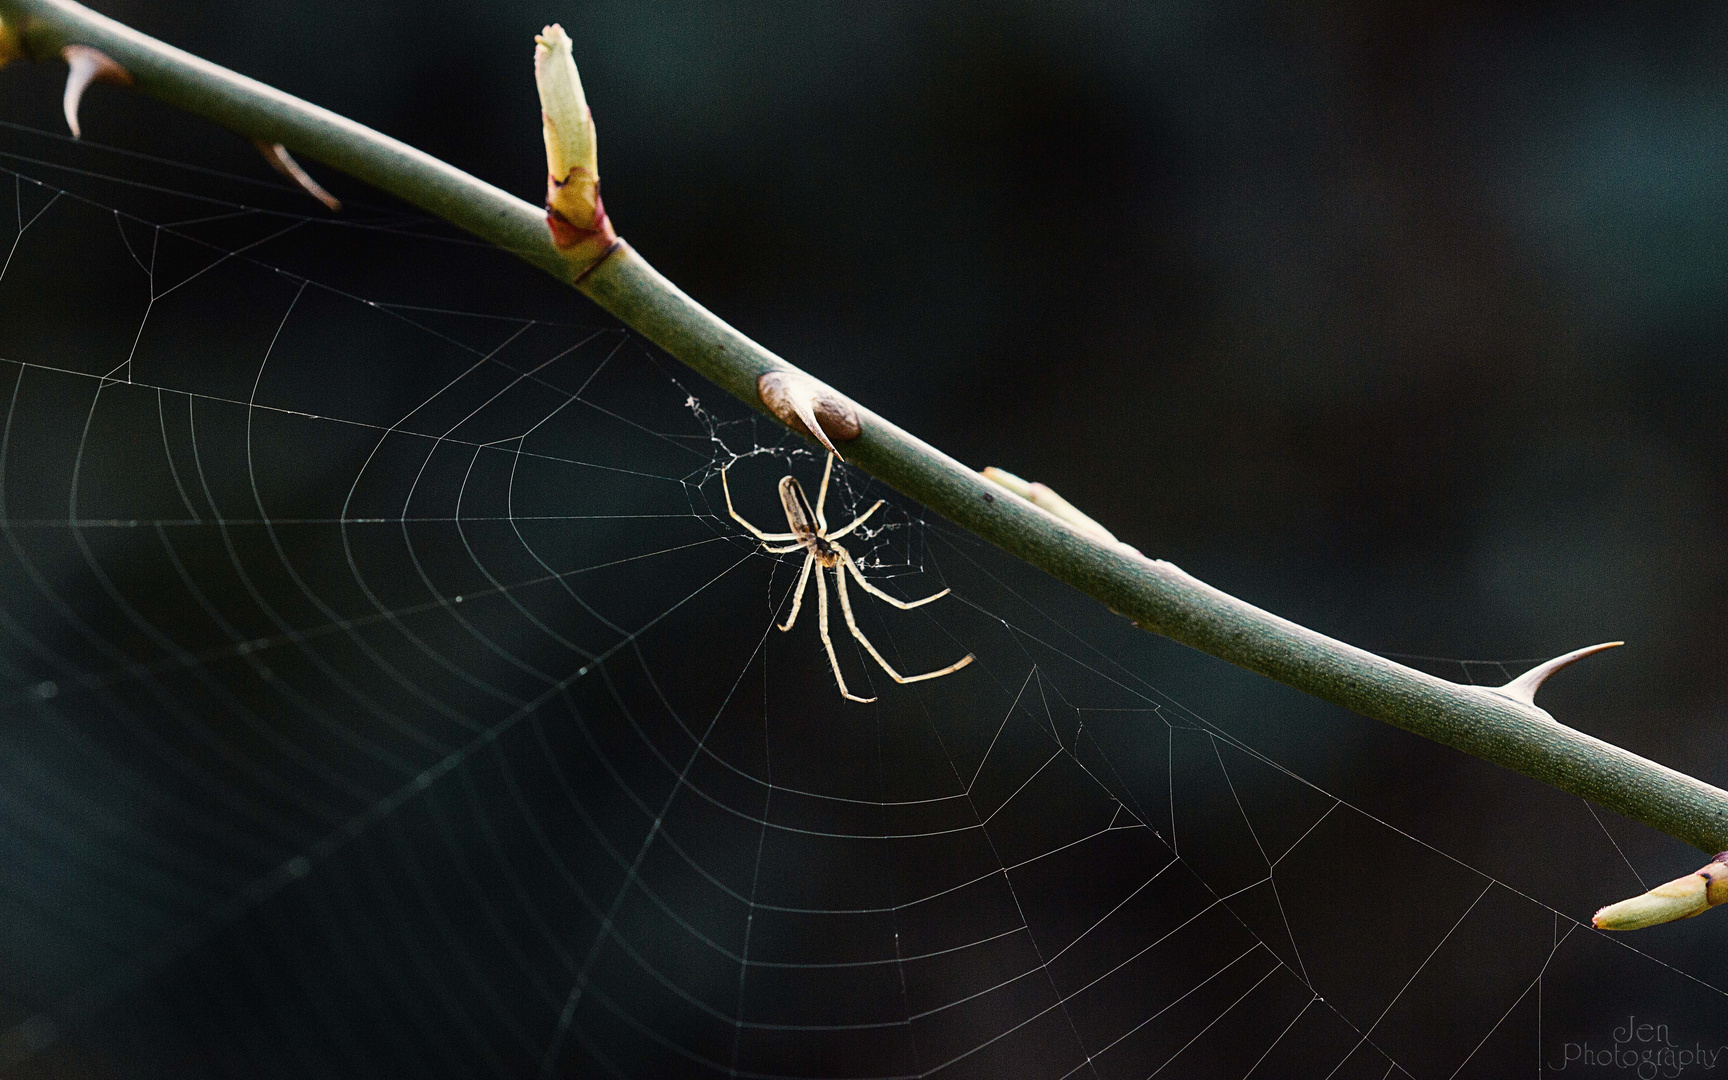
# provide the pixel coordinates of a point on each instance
(387, 691)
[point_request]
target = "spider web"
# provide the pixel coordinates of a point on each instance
(385, 689)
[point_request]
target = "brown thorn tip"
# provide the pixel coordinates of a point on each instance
(1524, 687)
(85, 65)
(283, 162)
(809, 406)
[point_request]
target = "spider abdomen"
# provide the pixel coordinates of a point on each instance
(799, 517)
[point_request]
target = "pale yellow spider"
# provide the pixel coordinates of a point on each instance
(810, 532)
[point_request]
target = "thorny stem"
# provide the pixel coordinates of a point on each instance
(1155, 594)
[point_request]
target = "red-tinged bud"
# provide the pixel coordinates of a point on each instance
(574, 212)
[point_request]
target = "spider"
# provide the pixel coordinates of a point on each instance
(810, 532)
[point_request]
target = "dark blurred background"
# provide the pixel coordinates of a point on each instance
(1402, 321)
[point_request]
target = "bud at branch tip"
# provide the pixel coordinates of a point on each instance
(574, 212)
(1681, 898)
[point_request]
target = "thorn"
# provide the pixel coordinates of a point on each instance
(86, 65)
(1524, 687)
(804, 404)
(1681, 898)
(283, 162)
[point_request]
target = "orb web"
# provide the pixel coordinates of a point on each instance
(386, 689)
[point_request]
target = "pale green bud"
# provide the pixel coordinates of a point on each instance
(1045, 498)
(566, 123)
(1681, 898)
(574, 211)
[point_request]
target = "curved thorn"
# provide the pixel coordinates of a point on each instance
(283, 162)
(1524, 687)
(85, 65)
(802, 402)
(804, 405)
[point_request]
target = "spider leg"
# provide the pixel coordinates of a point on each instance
(828, 642)
(852, 624)
(798, 593)
(857, 521)
(770, 549)
(822, 495)
(739, 518)
(903, 605)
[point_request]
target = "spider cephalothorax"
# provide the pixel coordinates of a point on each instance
(809, 531)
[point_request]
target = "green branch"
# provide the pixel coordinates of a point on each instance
(1502, 726)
